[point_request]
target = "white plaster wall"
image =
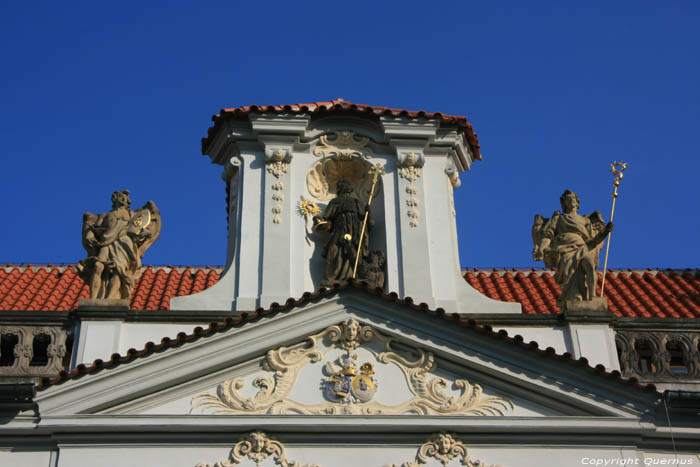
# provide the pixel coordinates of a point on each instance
(100, 339)
(10, 457)
(555, 337)
(366, 455)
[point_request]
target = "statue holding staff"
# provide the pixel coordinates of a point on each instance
(571, 243)
(343, 219)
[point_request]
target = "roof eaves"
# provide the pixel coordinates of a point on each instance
(291, 303)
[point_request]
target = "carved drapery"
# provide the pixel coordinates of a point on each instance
(444, 448)
(23, 351)
(257, 446)
(658, 356)
(285, 364)
(277, 161)
(410, 169)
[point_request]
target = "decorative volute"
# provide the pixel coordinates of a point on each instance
(281, 167)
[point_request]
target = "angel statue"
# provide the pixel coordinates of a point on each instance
(115, 242)
(571, 243)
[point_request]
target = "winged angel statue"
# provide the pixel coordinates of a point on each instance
(115, 242)
(571, 243)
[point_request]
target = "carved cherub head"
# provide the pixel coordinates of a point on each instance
(121, 198)
(569, 201)
(444, 443)
(257, 440)
(351, 329)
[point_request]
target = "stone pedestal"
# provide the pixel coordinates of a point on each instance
(597, 307)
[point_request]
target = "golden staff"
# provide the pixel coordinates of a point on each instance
(618, 177)
(376, 170)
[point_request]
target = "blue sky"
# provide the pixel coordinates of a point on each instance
(102, 96)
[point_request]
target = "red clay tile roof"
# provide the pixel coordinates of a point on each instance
(244, 318)
(634, 294)
(58, 288)
(340, 105)
(643, 294)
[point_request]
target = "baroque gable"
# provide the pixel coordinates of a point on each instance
(349, 354)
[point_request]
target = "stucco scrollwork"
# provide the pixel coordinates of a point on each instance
(324, 174)
(429, 392)
(257, 446)
(343, 145)
(444, 448)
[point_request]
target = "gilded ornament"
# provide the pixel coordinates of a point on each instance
(308, 207)
(346, 385)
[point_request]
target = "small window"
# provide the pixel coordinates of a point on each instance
(7, 349)
(40, 350)
(645, 351)
(677, 363)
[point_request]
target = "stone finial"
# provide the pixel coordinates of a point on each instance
(115, 242)
(570, 243)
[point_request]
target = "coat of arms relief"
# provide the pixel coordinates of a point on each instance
(344, 369)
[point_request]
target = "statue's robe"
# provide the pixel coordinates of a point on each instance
(571, 234)
(346, 215)
(116, 250)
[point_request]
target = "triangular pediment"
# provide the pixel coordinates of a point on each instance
(350, 354)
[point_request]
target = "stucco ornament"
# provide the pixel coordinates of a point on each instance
(277, 161)
(444, 448)
(285, 363)
(343, 145)
(347, 384)
(324, 174)
(571, 244)
(453, 177)
(257, 446)
(410, 169)
(115, 242)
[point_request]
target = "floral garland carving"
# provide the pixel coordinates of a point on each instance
(278, 165)
(444, 448)
(411, 171)
(429, 396)
(257, 446)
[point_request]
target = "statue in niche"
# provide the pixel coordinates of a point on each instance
(571, 244)
(343, 219)
(115, 242)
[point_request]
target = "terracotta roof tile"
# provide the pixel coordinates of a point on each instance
(339, 105)
(636, 294)
(59, 288)
(291, 303)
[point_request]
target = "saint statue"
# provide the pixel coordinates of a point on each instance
(571, 244)
(115, 242)
(343, 218)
